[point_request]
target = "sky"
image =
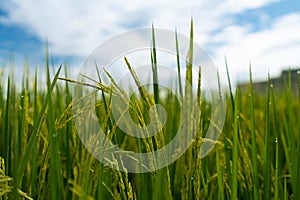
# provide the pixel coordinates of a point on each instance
(265, 33)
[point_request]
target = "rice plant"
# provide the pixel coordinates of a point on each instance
(42, 157)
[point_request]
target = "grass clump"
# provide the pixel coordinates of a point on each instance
(42, 157)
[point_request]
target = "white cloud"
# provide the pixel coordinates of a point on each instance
(76, 28)
(268, 50)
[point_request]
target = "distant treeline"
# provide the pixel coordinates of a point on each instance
(279, 84)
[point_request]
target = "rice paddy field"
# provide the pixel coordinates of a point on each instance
(41, 156)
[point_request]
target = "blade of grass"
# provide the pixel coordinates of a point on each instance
(178, 64)
(276, 189)
(34, 153)
(154, 68)
(189, 58)
(35, 133)
(266, 151)
(220, 176)
(68, 135)
(291, 135)
(97, 86)
(187, 113)
(218, 160)
(253, 141)
(104, 98)
(276, 169)
(228, 154)
(229, 85)
(56, 181)
(6, 131)
(297, 192)
(285, 195)
(234, 185)
(275, 129)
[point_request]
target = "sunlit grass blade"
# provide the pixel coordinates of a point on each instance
(229, 84)
(154, 67)
(105, 102)
(253, 142)
(97, 86)
(291, 134)
(178, 64)
(297, 172)
(220, 176)
(188, 116)
(277, 161)
(34, 154)
(285, 195)
(228, 152)
(56, 181)
(234, 184)
(6, 132)
(189, 58)
(34, 133)
(68, 134)
(266, 151)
